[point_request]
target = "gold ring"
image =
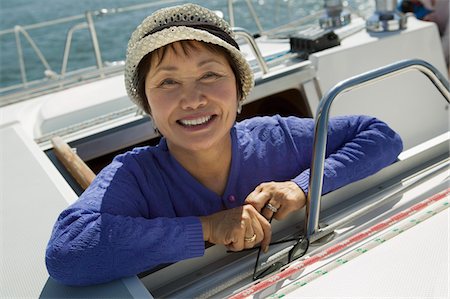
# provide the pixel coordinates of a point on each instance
(271, 207)
(251, 239)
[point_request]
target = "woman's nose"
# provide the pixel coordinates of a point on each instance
(192, 97)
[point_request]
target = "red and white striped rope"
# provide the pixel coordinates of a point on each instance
(297, 266)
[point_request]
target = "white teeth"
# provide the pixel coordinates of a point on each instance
(195, 122)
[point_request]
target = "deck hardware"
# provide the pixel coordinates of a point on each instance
(335, 15)
(321, 126)
(386, 17)
(324, 238)
(313, 40)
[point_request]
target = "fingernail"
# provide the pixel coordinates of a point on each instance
(266, 248)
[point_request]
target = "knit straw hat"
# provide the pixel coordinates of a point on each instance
(177, 23)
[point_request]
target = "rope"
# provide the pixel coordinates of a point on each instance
(298, 266)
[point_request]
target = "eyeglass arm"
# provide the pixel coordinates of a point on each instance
(321, 126)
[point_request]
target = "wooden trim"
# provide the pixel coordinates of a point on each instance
(72, 162)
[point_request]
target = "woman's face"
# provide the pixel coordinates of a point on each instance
(192, 97)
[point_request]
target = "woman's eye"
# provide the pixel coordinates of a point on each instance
(167, 82)
(210, 75)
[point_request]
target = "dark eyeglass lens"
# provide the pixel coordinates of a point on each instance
(279, 254)
(272, 268)
(299, 250)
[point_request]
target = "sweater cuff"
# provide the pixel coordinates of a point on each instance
(302, 181)
(195, 246)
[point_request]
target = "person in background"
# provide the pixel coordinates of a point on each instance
(436, 11)
(210, 178)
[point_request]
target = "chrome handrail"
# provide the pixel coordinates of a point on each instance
(321, 126)
(241, 32)
(68, 45)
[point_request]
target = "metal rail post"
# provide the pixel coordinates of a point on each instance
(95, 44)
(23, 73)
(231, 13)
(321, 125)
(68, 45)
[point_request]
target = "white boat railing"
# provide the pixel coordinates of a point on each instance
(88, 23)
(54, 80)
(27, 88)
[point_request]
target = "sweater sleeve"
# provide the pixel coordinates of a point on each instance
(357, 146)
(107, 234)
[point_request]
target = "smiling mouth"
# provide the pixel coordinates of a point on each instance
(196, 122)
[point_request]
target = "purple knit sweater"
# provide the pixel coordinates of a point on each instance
(142, 210)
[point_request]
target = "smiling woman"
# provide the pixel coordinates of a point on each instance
(193, 100)
(210, 178)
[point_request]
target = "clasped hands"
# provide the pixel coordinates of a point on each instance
(245, 226)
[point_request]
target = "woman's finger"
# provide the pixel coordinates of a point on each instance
(259, 232)
(245, 234)
(271, 208)
(258, 199)
(267, 232)
(250, 235)
(283, 211)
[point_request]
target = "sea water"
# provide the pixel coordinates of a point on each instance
(113, 29)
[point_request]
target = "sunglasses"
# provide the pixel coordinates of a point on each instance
(280, 254)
